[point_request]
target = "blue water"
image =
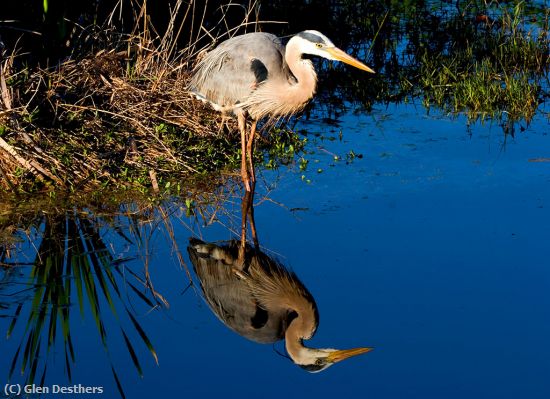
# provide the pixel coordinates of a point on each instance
(431, 246)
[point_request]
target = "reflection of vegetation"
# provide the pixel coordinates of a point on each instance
(58, 264)
(72, 266)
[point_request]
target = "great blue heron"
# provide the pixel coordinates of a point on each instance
(258, 298)
(254, 76)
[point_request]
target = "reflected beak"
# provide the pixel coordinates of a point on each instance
(338, 356)
(348, 59)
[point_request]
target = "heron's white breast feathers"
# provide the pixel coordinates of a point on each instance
(280, 98)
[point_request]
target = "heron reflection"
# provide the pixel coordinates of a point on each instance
(258, 298)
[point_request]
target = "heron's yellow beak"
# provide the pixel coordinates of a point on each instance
(348, 59)
(340, 355)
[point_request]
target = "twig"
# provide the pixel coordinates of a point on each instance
(31, 165)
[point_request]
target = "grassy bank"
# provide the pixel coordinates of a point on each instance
(116, 114)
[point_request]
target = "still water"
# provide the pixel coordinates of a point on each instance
(431, 245)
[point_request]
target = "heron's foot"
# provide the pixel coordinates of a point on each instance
(224, 124)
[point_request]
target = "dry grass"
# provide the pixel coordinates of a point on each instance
(117, 114)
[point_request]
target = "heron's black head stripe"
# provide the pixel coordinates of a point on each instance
(312, 37)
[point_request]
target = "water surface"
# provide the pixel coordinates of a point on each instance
(430, 244)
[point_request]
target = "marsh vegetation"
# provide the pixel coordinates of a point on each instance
(109, 108)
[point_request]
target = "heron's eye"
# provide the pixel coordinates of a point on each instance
(318, 45)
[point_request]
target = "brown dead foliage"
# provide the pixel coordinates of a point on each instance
(85, 121)
(118, 113)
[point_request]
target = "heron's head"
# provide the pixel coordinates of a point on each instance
(315, 43)
(315, 360)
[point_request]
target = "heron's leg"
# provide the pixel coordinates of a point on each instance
(244, 214)
(251, 220)
(242, 246)
(244, 172)
(246, 204)
(250, 149)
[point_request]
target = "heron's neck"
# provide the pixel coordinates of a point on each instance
(303, 71)
(302, 327)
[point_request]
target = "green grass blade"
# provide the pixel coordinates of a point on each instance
(111, 277)
(95, 247)
(27, 352)
(118, 384)
(68, 367)
(34, 366)
(78, 282)
(91, 292)
(70, 345)
(141, 295)
(14, 361)
(132, 354)
(53, 327)
(14, 320)
(143, 336)
(43, 378)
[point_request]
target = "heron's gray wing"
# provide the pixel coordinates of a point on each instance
(230, 72)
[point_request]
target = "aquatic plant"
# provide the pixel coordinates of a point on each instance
(72, 269)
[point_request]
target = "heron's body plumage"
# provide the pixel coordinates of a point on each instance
(250, 73)
(258, 299)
